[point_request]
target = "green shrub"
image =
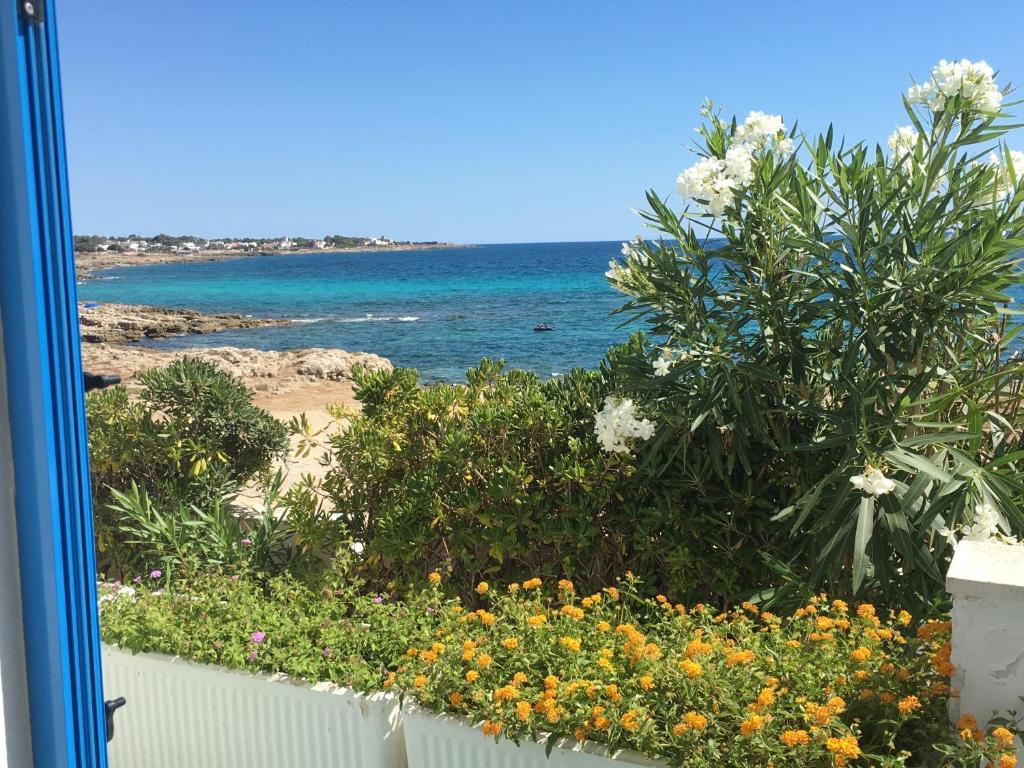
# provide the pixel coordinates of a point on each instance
(831, 339)
(214, 410)
(501, 477)
(190, 439)
(181, 539)
(339, 635)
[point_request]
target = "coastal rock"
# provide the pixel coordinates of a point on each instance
(116, 323)
(263, 371)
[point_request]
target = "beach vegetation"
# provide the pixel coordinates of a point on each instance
(503, 477)
(190, 437)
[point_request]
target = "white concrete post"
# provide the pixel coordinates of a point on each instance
(986, 580)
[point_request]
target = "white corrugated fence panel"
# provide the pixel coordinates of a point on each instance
(443, 741)
(183, 714)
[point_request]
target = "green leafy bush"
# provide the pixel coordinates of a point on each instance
(329, 632)
(831, 339)
(191, 438)
(502, 477)
(495, 476)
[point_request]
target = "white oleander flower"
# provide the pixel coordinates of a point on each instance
(873, 482)
(1004, 182)
(662, 366)
(716, 181)
(974, 81)
(760, 128)
(633, 250)
(708, 181)
(902, 143)
(617, 422)
(615, 271)
(988, 524)
(739, 164)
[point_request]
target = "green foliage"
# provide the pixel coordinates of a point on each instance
(329, 632)
(828, 685)
(501, 477)
(211, 408)
(191, 438)
(179, 538)
(845, 312)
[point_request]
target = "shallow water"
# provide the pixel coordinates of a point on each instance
(436, 310)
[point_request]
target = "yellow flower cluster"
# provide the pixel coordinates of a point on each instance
(649, 675)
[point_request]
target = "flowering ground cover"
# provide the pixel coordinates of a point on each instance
(830, 685)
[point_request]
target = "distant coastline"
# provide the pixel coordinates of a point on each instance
(87, 263)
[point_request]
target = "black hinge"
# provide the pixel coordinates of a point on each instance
(32, 11)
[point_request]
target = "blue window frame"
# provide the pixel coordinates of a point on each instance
(45, 398)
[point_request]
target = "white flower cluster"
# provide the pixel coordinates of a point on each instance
(975, 81)
(631, 251)
(760, 129)
(717, 180)
(662, 364)
(1004, 183)
(632, 248)
(988, 525)
(873, 482)
(617, 422)
(902, 142)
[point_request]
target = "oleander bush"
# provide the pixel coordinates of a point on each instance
(829, 685)
(178, 451)
(830, 339)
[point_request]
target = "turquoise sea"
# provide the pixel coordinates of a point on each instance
(437, 310)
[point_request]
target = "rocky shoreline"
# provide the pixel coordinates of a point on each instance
(121, 323)
(108, 330)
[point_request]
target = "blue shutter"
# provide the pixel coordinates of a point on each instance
(44, 379)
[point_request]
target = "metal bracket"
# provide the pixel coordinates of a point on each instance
(32, 11)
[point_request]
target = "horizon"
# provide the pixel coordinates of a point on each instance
(425, 123)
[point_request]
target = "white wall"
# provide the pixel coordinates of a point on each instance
(15, 745)
(986, 580)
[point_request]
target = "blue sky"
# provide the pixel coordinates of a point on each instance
(537, 120)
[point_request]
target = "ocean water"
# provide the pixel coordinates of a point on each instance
(437, 310)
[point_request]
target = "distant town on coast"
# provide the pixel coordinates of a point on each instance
(190, 244)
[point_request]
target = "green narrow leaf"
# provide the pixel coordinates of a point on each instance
(865, 522)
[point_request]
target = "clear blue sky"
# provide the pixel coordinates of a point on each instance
(471, 121)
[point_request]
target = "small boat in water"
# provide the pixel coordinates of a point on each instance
(542, 327)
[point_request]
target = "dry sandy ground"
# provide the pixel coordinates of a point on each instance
(311, 400)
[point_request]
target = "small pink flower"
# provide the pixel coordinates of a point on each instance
(155, 574)
(253, 656)
(246, 542)
(234, 578)
(327, 652)
(258, 637)
(137, 580)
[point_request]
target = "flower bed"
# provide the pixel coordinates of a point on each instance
(179, 714)
(831, 685)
